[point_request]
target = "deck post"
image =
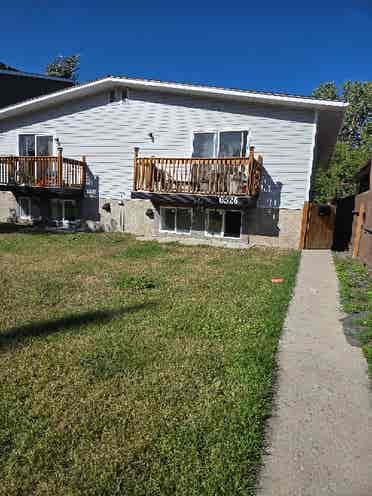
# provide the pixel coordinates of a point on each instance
(59, 166)
(84, 174)
(135, 172)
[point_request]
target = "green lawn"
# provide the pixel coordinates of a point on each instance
(133, 368)
(356, 298)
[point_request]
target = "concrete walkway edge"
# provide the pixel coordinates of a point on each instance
(319, 440)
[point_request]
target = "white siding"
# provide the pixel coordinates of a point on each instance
(107, 133)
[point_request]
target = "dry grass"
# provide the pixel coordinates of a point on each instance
(135, 368)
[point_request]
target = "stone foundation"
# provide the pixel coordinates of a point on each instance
(8, 207)
(261, 226)
(269, 227)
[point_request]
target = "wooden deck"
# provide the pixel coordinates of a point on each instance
(52, 172)
(230, 176)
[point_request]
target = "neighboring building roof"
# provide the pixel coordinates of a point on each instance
(110, 82)
(15, 72)
(17, 86)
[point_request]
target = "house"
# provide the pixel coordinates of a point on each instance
(166, 159)
(17, 86)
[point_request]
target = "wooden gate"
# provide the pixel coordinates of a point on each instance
(318, 223)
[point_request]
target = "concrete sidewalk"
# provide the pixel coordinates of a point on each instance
(319, 440)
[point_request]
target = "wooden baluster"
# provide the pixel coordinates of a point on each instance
(178, 184)
(175, 175)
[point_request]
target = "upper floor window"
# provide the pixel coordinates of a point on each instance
(31, 145)
(220, 144)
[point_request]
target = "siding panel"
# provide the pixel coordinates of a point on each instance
(107, 133)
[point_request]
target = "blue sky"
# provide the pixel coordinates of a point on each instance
(288, 46)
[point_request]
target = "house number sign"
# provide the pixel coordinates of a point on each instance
(228, 200)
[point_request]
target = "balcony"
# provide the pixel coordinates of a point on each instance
(237, 177)
(52, 173)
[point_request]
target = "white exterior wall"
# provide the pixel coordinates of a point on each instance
(106, 133)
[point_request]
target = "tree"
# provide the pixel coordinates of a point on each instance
(354, 145)
(64, 67)
(6, 67)
(359, 97)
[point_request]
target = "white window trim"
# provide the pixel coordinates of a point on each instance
(25, 217)
(222, 234)
(176, 231)
(216, 143)
(25, 133)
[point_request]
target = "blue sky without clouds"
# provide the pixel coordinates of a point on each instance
(287, 46)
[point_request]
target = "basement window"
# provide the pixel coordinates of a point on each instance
(215, 222)
(176, 220)
(24, 208)
(63, 210)
(224, 223)
(233, 224)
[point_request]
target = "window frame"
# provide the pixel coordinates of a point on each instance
(216, 143)
(63, 220)
(176, 231)
(222, 234)
(35, 135)
(25, 217)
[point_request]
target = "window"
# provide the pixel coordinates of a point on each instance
(220, 144)
(215, 223)
(63, 210)
(183, 220)
(168, 219)
(176, 220)
(24, 208)
(224, 223)
(31, 145)
(204, 145)
(112, 96)
(233, 222)
(231, 144)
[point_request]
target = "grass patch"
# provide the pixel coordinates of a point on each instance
(356, 298)
(137, 282)
(145, 249)
(139, 374)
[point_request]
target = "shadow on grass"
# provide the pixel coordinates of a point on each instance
(15, 336)
(9, 228)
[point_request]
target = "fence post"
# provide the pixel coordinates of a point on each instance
(358, 230)
(304, 224)
(59, 166)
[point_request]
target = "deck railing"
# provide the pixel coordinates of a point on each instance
(238, 176)
(42, 172)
